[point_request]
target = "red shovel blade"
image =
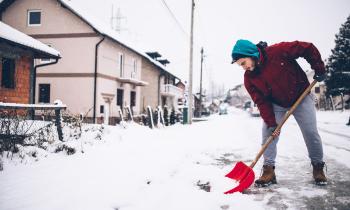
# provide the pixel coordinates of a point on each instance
(242, 174)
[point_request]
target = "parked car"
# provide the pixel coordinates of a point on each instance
(253, 110)
(205, 112)
(247, 105)
(223, 108)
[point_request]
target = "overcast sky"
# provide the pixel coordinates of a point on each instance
(218, 24)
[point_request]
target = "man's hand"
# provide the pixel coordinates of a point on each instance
(271, 131)
(320, 78)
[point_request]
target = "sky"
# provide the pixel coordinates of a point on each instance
(164, 26)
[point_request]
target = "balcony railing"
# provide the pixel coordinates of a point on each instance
(169, 89)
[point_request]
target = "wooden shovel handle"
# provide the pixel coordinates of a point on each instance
(286, 116)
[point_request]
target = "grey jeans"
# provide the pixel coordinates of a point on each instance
(305, 115)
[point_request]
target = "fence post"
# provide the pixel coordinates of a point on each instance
(342, 101)
(129, 112)
(150, 117)
(58, 123)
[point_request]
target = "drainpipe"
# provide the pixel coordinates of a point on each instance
(159, 89)
(95, 78)
(34, 76)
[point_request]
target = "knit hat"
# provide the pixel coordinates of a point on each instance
(244, 48)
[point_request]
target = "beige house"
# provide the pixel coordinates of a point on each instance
(161, 89)
(99, 74)
(319, 91)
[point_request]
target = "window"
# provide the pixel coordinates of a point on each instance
(34, 17)
(121, 65)
(44, 93)
(132, 98)
(102, 109)
(8, 73)
(133, 74)
(317, 89)
(120, 97)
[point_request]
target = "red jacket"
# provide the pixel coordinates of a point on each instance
(278, 78)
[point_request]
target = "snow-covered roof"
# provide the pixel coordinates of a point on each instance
(10, 34)
(104, 29)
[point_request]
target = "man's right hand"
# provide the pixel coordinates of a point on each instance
(271, 131)
(320, 78)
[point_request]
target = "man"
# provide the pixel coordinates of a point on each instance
(274, 80)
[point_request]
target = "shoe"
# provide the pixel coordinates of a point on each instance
(267, 178)
(318, 174)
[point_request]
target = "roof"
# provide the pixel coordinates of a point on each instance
(105, 30)
(9, 34)
(4, 4)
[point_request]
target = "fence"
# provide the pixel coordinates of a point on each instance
(29, 124)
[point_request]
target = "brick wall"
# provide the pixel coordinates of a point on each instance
(20, 94)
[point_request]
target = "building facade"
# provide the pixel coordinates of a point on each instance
(161, 89)
(98, 75)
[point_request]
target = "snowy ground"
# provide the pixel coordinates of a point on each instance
(142, 169)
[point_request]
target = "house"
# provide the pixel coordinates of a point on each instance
(17, 69)
(161, 89)
(319, 92)
(238, 95)
(182, 87)
(99, 75)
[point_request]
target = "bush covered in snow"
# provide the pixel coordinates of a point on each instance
(24, 140)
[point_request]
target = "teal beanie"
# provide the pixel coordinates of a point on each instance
(244, 48)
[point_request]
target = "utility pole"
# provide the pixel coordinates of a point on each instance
(190, 101)
(200, 86)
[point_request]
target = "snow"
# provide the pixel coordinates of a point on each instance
(11, 34)
(133, 167)
(58, 104)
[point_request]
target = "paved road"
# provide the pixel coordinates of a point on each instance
(295, 188)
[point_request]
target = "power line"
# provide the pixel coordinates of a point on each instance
(174, 17)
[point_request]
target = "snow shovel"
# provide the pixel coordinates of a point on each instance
(244, 174)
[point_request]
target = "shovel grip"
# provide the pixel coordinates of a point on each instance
(285, 118)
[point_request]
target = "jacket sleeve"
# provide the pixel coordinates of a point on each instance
(264, 105)
(306, 50)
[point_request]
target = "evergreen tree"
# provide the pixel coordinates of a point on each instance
(166, 116)
(338, 65)
(172, 117)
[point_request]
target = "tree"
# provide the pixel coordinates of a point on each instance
(172, 117)
(338, 65)
(166, 116)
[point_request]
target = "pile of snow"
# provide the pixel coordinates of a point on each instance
(74, 141)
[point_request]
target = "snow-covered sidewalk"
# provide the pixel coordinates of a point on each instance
(141, 169)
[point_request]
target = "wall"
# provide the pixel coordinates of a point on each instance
(21, 92)
(72, 78)
(109, 67)
(16, 15)
(149, 93)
